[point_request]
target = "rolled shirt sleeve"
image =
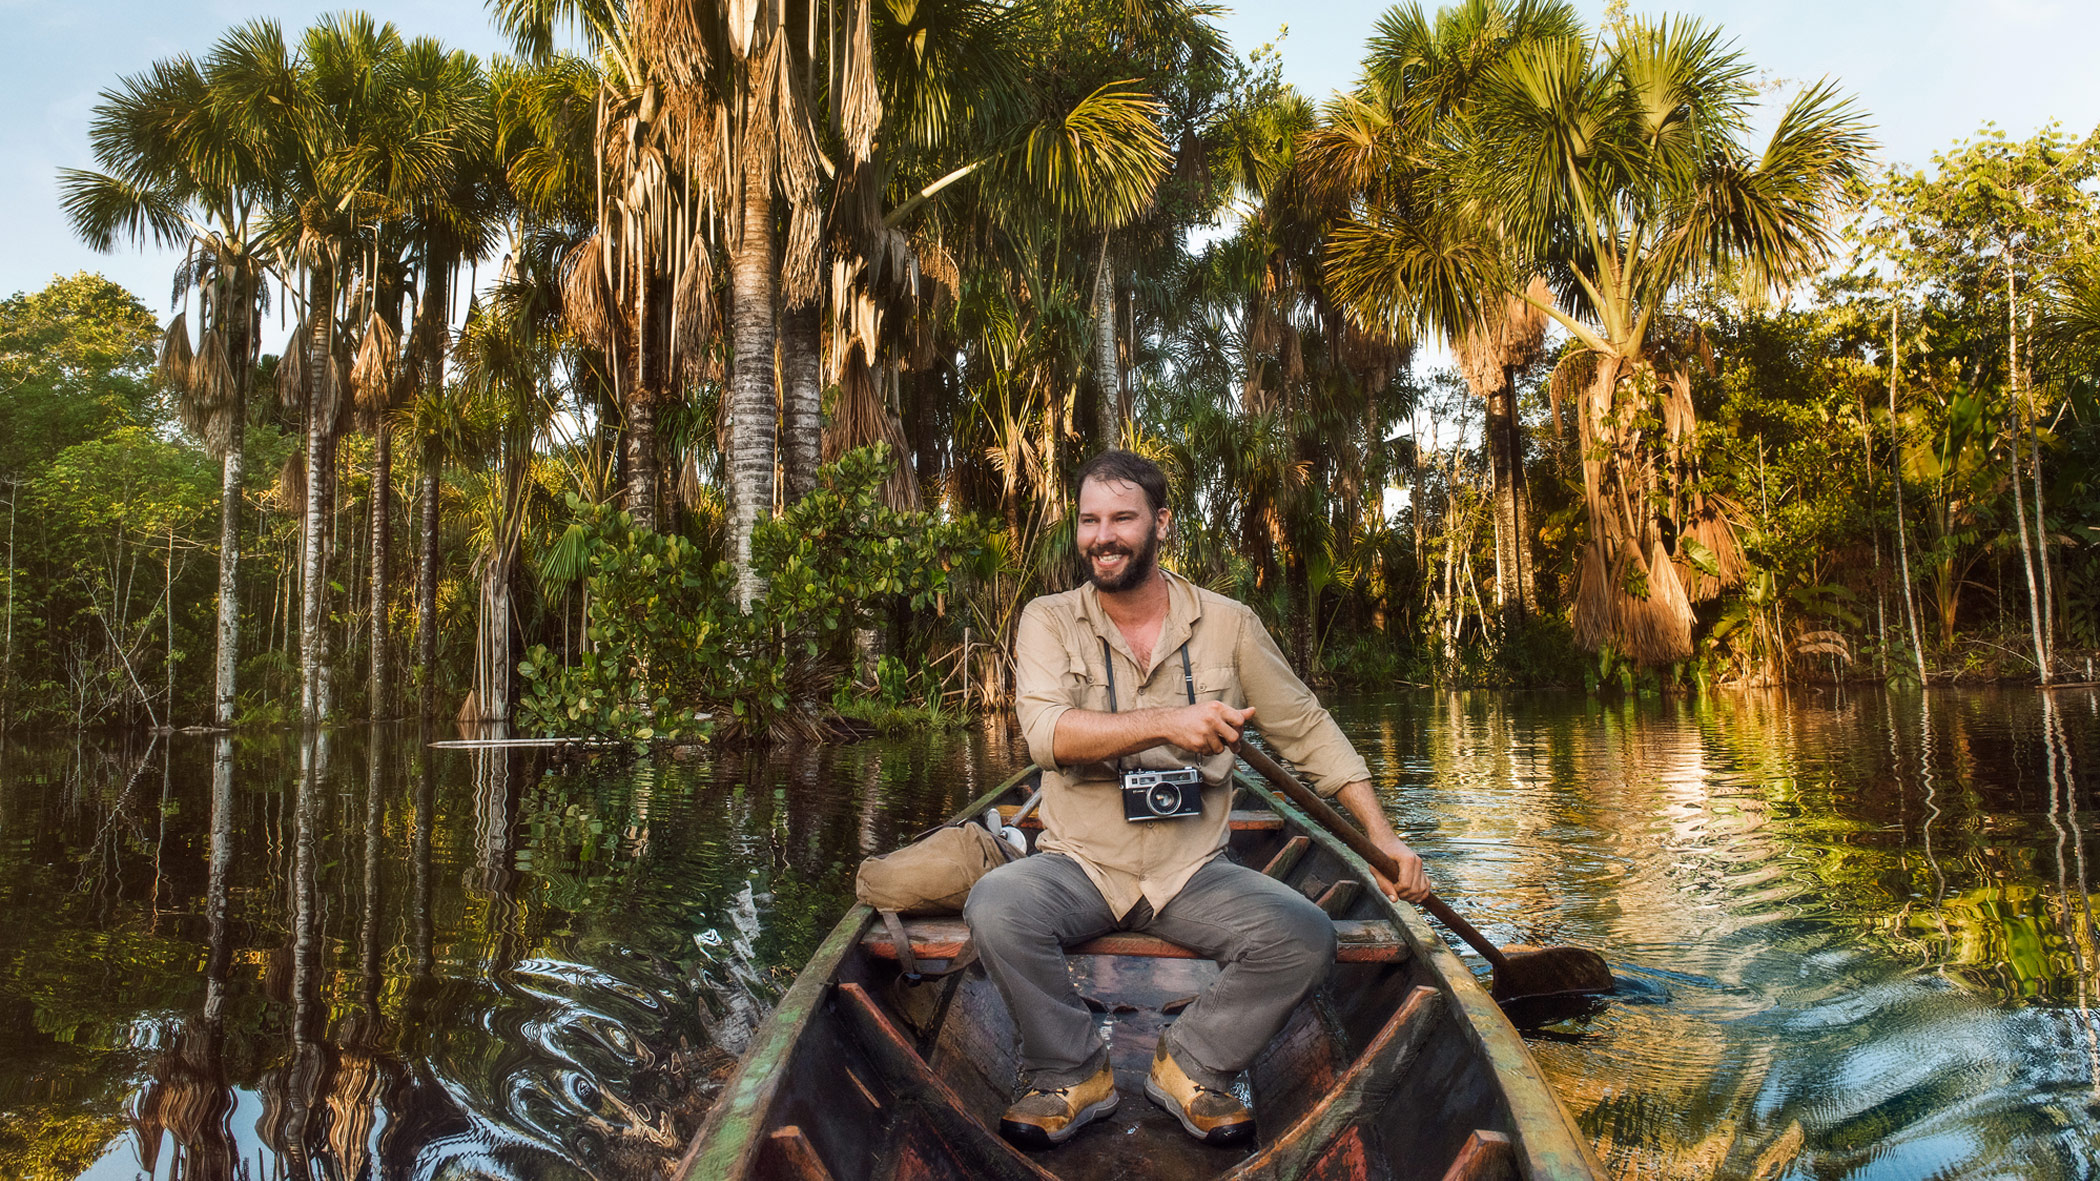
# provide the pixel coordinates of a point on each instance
(1290, 717)
(1041, 693)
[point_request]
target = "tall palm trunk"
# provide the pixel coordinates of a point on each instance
(229, 628)
(639, 442)
(802, 401)
(2035, 608)
(1514, 591)
(435, 317)
(1910, 603)
(381, 540)
(314, 687)
(753, 415)
(426, 588)
(1107, 379)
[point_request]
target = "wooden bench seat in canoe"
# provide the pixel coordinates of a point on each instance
(1358, 941)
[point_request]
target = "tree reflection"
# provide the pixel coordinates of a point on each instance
(188, 1098)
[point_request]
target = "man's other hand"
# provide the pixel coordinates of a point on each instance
(1206, 727)
(1413, 884)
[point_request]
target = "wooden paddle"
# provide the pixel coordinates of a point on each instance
(1520, 972)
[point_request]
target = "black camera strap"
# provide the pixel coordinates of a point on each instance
(1108, 664)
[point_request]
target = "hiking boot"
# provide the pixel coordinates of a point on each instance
(1210, 1114)
(1049, 1116)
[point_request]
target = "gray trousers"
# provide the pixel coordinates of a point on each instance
(1273, 943)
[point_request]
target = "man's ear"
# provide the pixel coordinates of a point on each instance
(1163, 524)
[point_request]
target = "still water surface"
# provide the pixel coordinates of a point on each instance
(1854, 933)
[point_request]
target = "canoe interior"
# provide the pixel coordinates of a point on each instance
(1389, 1071)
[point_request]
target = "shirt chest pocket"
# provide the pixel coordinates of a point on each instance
(1215, 682)
(1085, 686)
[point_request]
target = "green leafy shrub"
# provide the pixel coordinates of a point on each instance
(671, 655)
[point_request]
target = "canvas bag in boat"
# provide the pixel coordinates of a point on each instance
(931, 875)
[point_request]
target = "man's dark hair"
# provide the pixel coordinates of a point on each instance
(1127, 467)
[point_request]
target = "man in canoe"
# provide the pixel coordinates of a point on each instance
(1141, 671)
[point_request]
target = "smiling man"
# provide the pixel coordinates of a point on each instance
(1141, 671)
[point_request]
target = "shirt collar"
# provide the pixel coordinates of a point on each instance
(1184, 607)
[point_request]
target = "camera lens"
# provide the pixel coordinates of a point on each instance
(1164, 800)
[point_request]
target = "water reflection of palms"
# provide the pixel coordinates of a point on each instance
(189, 1096)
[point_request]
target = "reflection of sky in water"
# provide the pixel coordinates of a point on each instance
(1851, 942)
(1854, 934)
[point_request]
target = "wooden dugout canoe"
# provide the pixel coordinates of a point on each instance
(1399, 1067)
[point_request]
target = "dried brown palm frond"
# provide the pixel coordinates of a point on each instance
(673, 41)
(1509, 342)
(863, 417)
(372, 375)
(938, 283)
(1373, 356)
(696, 316)
(1575, 374)
(293, 386)
(801, 266)
(288, 495)
(860, 113)
(329, 404)
(587, 301)
(208, 409)
(173, 370)
(1651, 624)
(1674, 387)
(1708, 523)
(695, 130)
(1291, 356)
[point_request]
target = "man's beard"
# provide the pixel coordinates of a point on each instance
(1137, 567)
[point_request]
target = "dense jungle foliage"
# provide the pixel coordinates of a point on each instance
(567, 339)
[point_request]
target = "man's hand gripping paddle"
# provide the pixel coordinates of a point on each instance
(1520, 972)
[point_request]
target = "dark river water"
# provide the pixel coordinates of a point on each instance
(1854, 933)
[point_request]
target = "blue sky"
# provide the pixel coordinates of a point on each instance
(1928, 72)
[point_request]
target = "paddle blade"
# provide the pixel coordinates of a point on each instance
(1550, 971)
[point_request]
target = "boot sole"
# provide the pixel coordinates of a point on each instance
(1031, 1136)
(1223, 1134)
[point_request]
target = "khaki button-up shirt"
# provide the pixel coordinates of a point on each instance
(1058, 667)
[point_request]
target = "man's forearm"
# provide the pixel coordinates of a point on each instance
(1090, 736)
(1363, 804)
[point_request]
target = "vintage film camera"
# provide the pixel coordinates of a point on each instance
(1162, 795)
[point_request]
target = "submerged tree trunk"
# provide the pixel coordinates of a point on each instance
(802, 402)
(753, 410)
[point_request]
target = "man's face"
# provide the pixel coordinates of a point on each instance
(1118, 534)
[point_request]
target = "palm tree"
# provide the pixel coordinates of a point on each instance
(173, 175)
(1616, 170)
(1411, 251)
